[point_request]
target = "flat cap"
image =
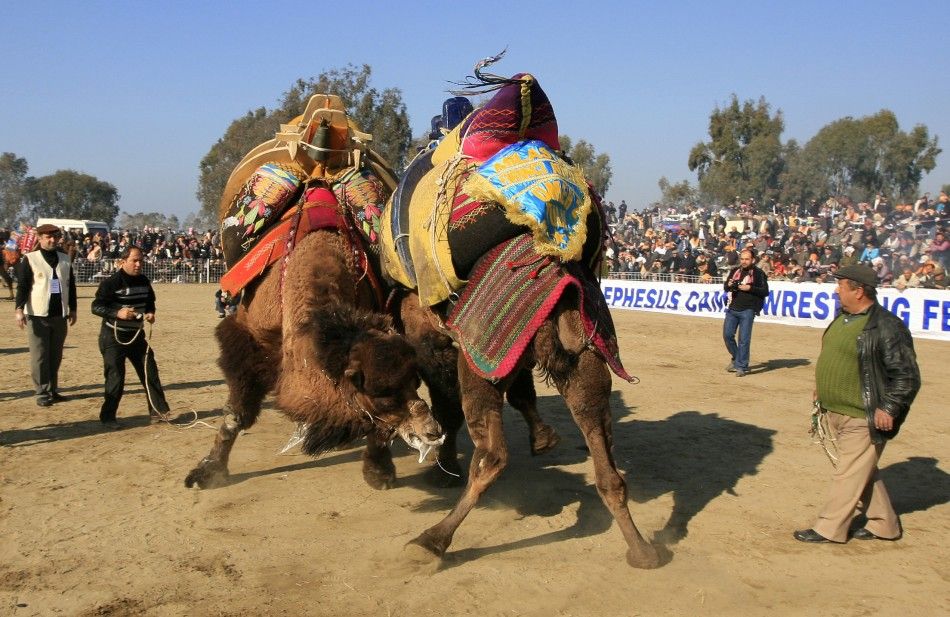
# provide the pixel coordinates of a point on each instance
(49, 228)
(858, 273)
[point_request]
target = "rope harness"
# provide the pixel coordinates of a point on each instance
(822, 434)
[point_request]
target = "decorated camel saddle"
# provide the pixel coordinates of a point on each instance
(498, 174)
(494, 224)
(317, 173)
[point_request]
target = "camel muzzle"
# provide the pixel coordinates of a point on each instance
(420, 430)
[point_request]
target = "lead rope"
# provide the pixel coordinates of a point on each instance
(164, 417)
(822, 434)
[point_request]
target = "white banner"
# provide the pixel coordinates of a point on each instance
(925, 311)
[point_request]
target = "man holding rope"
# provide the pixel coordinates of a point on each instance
(126, 301)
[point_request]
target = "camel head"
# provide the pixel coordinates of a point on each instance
(376, 372)
(382, 378)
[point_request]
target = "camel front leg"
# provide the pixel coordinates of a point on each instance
(248, 375)
(524, 398)
(212, 470)
(378, 468)
(481, 403)
(586, 389)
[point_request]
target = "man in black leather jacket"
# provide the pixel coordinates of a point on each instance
(866, 379)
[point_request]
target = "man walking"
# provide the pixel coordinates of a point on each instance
(866, 379)
(748, 287)
(46, 301)
(125, 301)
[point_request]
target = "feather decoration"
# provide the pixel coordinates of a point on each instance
(481, 82)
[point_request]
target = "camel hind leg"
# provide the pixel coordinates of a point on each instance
(523, 397)
(249, 376)
(584, 382)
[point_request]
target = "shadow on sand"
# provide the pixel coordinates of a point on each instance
(682, 455)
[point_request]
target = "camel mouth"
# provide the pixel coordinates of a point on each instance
(418, 442)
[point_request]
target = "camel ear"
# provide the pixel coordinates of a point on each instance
(354, 376)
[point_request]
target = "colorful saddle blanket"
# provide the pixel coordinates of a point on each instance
(512, 290)
(491, 178)
(319, 210)
(260, 202)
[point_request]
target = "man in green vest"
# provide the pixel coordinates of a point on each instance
(866, 379)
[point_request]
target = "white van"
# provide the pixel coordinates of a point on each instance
(82, 226)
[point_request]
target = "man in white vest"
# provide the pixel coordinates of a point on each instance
(45, 301)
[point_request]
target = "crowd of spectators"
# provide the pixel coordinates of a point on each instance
(906, 244)
(168, 255)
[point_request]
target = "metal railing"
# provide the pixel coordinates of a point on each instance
(158, 271)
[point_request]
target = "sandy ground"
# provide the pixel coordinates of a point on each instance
(721, 471)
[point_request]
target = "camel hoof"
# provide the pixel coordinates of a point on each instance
(544, 439)
(646, 558)
(379, 475)
(208, 474)
(420, 552)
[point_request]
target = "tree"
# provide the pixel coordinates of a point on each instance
(744, 154)
(12, 188)
(148, 219)
(73, 195)
(381, 113)
(596, 167)
(861, 157)
(677, 195)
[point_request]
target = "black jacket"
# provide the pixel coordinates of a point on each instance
(890, 377)
(755, 297)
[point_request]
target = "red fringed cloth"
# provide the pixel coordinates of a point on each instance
(510, 293)
(319, 210)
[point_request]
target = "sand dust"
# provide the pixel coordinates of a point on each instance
(720, 469)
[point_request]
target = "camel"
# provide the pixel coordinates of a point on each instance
(11, 256)
(565, 342)
(308, 327)
(10, 259)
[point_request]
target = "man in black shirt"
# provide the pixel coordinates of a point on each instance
(46, 300)
(747, 286)
(125, 301)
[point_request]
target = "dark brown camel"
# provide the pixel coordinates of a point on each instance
(339, 369)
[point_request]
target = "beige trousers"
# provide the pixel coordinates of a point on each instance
(856, 484)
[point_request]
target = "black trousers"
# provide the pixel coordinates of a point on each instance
(114, 355)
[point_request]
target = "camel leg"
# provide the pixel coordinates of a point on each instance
(586, 389)
(249, 378)
(523, 397)
(447, 410)
(438, 361)
(482, 403)
(378, 468)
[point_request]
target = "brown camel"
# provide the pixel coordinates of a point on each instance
(10, 259)
(297, 216)
(438, 359)
(477, 193)
(560, 349)
(336, 367)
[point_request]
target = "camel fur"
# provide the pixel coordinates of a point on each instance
(304, 331)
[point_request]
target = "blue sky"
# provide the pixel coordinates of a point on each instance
(135, 93)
